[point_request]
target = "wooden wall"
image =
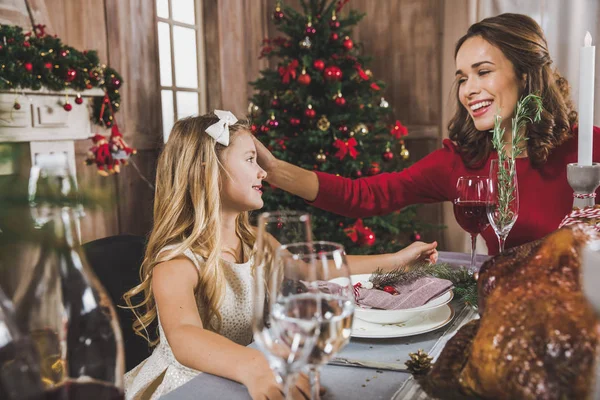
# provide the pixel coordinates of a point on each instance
(124, 34)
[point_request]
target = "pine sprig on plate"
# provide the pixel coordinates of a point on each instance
(465, 285)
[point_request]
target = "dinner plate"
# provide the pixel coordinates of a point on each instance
(395, 316)
(424, 322)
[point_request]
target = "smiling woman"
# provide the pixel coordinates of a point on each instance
(498, 61)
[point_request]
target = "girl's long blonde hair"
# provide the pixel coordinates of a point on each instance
(187, 205)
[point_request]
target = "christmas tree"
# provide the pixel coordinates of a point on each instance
(322, 109)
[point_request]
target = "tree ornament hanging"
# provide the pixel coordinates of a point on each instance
(273, 123)
(304, 78)
(334, 23)
(305, 44)
(398, 130)
(278, 14)
(383, 103)
(343, 129)
(67, 107)
(319, 65)
(71, 75)
(333, 73)
(388, 155)
(310, 112)
(360, 234)
(361, 129)
(321, 157)
(334, 37)
(415, 237)
(347, 43)
(358, 173)
(323, 123)
(404, 153)
(78, 99)
(28, 66)
(275, 102)
(17, 105)
(310, 29)
(295, 121)
(340, 101)
(374, 169)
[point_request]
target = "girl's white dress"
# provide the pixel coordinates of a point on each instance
(161, 372)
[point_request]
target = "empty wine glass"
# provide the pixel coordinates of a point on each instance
(332, 293)
(470, 207)
(282, 329)
(503, 199)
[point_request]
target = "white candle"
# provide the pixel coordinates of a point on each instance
(586, 100)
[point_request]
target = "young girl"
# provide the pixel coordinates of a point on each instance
(196, 275)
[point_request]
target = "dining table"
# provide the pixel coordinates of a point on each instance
(351, 382)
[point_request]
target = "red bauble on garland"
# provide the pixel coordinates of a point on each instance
(319, 65)
(310, 30)
(343, 129)
(333, 73)
(68, 107)
(79, 99)
(340, 101)
(347, 43)
(17, 105)
(278, 15)
(71, 75)
(28, 66)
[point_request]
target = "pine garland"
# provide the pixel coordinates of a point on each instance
(465, 285)
(36, 60)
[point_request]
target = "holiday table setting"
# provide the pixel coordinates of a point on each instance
(374, 382)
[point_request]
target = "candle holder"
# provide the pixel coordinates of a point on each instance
(584, 179)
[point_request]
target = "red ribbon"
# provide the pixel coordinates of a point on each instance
(398, 130)
(347, 147)
(361, 72)
(288, 71)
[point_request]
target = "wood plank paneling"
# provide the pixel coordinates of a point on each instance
(133, 51)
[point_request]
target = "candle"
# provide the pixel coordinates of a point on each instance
(586, 100)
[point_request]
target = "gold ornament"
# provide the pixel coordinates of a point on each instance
(383, 103)
(253, 109)
(361, 129)
(305, 43)
(323, 123)
(321, 157)
(404, 152)
(419, 363)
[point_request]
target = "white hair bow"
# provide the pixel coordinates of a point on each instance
(220, 130)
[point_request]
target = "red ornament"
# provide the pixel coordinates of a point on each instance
(275, 103)
(106, 99)
(334, 37)
(71, 75)
(347, 43)
(294, 121)
(273, 123)
(17, 105)
(334, 24)
(333, 73)
(304, 79)
(253, 128)
(63, 53)
(415, 237)
(26, 44)
(375, 168)
(343, 129)
(398, 130)
(68, 107)
(79, 99)
(375, 86)
(310, 112)
(264, 129)
(358, 173)
(340, 101)
(360, 234)
(48, 65)
(88, 86)
(310, 30)
(319, 65)
(101, 155)
(388, 155)
(278, 15)
(390, 290)
(28, 66)
(116, 83)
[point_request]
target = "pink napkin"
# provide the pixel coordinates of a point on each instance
(410, 295)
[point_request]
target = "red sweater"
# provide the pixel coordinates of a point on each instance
(545, 196)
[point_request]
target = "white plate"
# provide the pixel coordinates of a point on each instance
(423, 323)
(396, 316)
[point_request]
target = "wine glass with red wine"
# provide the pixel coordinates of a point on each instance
(470, 207)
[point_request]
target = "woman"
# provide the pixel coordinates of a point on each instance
(498, 61)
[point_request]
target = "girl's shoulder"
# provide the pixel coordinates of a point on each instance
(174, 252)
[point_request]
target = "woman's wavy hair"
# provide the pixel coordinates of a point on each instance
(522, 41)
(187, 205)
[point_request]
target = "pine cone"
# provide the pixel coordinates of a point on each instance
(419, 363)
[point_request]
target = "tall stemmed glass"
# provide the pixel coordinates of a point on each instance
(503, 199)
(470, 207)
(285, 334)
(334, 300)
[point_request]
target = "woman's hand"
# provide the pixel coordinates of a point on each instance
(416, 252)
(265, 158)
